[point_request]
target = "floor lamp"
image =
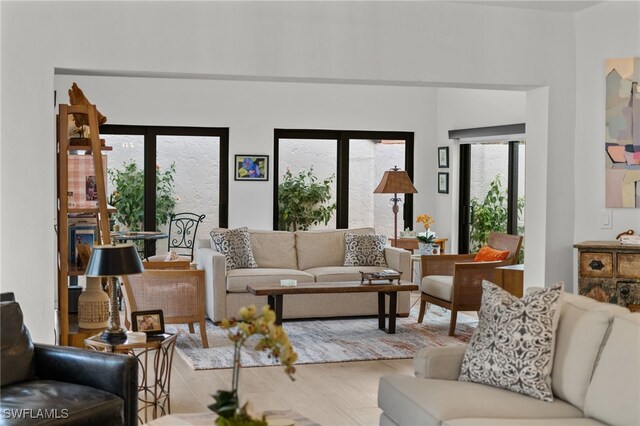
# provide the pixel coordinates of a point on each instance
(395, 181)
(113, 261)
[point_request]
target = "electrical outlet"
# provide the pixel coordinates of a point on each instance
(605, 219)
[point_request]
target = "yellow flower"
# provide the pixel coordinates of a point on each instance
(247, 312)
(425, 220)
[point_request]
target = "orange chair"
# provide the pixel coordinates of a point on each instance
(454, 281)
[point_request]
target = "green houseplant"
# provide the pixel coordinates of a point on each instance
(301, 200)
(490, 215)
(128, 196)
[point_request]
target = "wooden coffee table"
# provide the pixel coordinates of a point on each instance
(275, 295)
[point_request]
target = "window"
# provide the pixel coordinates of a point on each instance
(200, 179)
(358, 159)
(491, 191)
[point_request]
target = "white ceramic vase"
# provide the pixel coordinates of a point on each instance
(93, 306)
(429, 248)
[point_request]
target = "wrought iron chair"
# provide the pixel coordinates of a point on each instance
(183, 228)
(454, 281)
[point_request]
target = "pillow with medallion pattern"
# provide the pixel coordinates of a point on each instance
(512, 346)
(364, 250)
(235, 244)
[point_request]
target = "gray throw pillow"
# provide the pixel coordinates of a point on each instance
(512, 347)
(235, 244)
(364, 250)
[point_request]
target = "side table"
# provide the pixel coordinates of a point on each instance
(511, 278)
(155, 357)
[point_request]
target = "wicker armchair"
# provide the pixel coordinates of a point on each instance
(179, 293)
(454, 281)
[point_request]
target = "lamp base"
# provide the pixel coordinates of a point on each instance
(114, 337)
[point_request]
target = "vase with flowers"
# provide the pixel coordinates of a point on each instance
(427, 239)
(272, 338)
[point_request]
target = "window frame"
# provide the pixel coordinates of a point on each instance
(150, 134)
(342, 167)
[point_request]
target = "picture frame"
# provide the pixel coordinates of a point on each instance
(149, 322)
(251, 167)
(443, 182)
(443, 157)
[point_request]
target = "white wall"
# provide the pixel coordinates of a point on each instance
(463, 109)
(614, 39)
(395, 43)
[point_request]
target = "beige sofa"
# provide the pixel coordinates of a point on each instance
(595, 379)
(306, 256)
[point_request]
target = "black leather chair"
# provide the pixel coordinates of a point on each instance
(55, 385)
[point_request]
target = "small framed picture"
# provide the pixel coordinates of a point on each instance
(443, 182)
(251, 167)
(443, 157)
(150, 322)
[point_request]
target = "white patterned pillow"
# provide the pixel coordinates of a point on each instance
(364, 250)
(512, 346)
(235, 244)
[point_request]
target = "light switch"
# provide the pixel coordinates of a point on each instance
(605, 219)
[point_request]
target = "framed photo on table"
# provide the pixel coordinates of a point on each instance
(150, 322)
(251, 167)
(443, 182)
(443, 157)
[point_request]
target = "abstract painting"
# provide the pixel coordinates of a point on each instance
(622, 138)
(252, 167)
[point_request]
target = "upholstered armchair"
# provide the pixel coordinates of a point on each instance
(454, 281)
(178, 292)
(71, 386)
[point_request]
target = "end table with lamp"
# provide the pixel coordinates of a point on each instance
(112, 261)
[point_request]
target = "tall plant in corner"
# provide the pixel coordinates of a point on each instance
(490, 215)
(302, 200)
(128, 196)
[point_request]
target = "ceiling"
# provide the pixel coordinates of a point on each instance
(568, 6)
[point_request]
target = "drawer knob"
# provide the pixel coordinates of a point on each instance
(596, 264)
(625, 291)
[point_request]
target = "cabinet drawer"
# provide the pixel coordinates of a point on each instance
(598, 265)
(629, 265)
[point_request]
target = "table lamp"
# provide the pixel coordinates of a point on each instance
(113, 261)
(395, 181)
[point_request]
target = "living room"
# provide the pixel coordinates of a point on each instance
(252, 67)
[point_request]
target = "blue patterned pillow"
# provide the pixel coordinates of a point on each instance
(235, 244)
(364, 250)
(512, 347)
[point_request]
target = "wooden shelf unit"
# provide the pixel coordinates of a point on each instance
(67, 332)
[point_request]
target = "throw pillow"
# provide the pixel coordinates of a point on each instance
(364, 250)
(235, 244)
(512, 347)
(488, 254)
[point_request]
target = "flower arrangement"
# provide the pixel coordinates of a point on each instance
(273, 338)
(425, 220)
(426, 237)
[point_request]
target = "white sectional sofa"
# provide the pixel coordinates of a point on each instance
(595, 379)
(306, 256)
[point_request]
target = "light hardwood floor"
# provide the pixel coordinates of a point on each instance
(330, 394)
(344, 393)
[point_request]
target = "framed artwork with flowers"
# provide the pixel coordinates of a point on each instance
(251, 167)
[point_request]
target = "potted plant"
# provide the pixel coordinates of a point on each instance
(273, 338)
(427, 239)
(302, 201)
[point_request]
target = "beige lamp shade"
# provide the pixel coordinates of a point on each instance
(395, 182)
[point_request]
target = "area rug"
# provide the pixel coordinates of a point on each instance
(329, 340)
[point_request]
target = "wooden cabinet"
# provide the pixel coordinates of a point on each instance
(67, 331)
(610, 272)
